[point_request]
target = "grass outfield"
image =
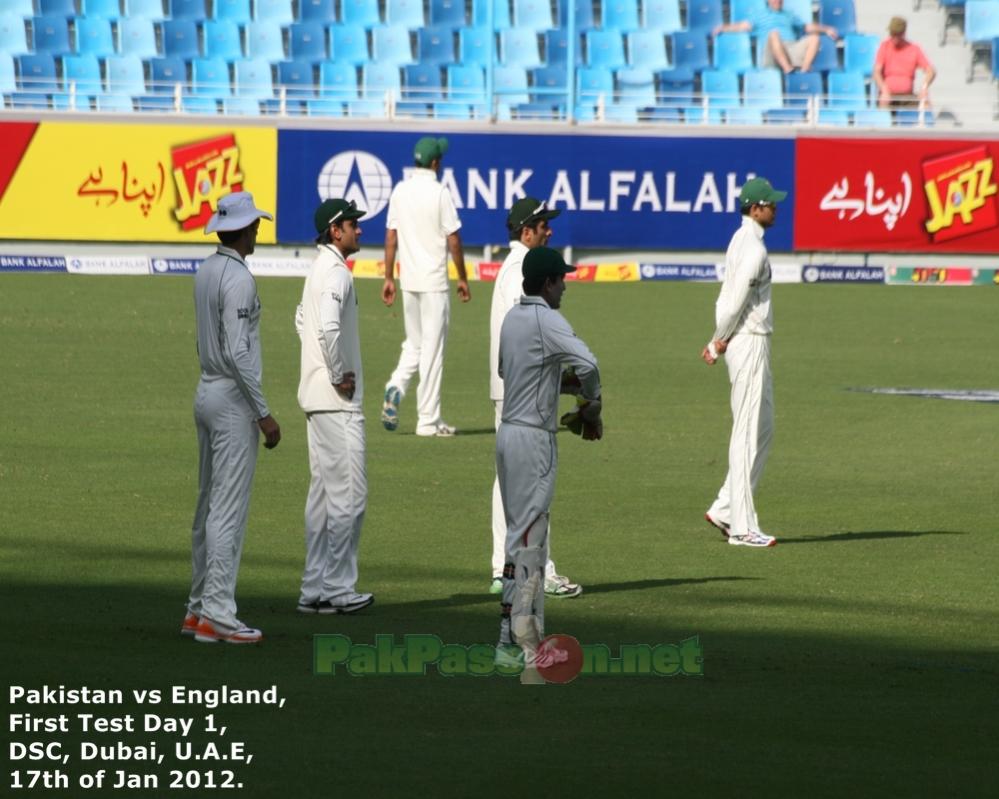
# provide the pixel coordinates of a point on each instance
(858, 657)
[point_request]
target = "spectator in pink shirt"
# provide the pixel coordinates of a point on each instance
(895, 68)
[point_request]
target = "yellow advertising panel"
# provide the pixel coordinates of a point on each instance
(155, 183)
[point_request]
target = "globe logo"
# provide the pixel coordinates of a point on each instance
(358, 176)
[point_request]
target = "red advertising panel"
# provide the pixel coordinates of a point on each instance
(899, 195)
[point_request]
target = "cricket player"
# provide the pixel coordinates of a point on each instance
(229, 412)
(331, 392)
(536, 344)
(422, 226)
(527, 224)
(743, 324)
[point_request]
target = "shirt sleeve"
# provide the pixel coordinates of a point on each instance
(449, 215)
(335, 293)
(735, 293)
(921, 60)
(391, 217)
(299, 319)
(566, 346)
(239, 303)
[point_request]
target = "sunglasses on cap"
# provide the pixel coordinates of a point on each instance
(539, 210)
(351, 206)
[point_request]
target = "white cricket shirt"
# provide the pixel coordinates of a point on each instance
(506, 293)
(743, 305)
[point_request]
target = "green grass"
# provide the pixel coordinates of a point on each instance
(858, 657)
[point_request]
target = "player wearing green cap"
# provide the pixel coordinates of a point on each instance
(743, 324)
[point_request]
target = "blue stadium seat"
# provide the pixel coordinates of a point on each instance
(475, 46)
(872, 118)
(56, 8)
(799, 87)
(137, 36)
(19, 8)
(827, 57)
(704, 15)
(846, 90)
(741, 10)
(451, 110)
(519, 48)
(84, 71)
(552, 83)
(720, 87)
(647, 49)
(33, 100)
(377, 79)
(67, 101)
(155, 103)
(323, 107)
(366, 108)
(180, 38)
(466, 83)
(625, 113)
(125, 75)
(981, 26)
(636, 87)
(277, 12)
(859, 50)
(535, 15)
(761, 88)
(733, 51)
(995, 58)
(37, 73)
(501, 13)
(115, 103)
(390, 44)
(165, 74)
(241, 106)
(510, 86)
(690, 49)
(407, 13)
(661, 15)
(360, 12)
(323, 11)
(265, 41)
(210, 77)
(198, 104)
(237, 11)
(337, 81)
(222, 39)
(592, 83)
(584, 14)
(252, 78)
(187, 9)
(841, 14)
(447, 13)
(50, 35)
(8, 81)
(604, 49)
(909, 117)
(620, 15)
(297, 79)
(743, 116)
(104, 9)
(307, 41)
(94, 35)
(557, 48)
(349, 43)
(422, 83)
(147, 9)
(13, 35)
(675, 91)
(435, 46)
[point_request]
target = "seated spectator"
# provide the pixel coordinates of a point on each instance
(895, 68)
(791, 43)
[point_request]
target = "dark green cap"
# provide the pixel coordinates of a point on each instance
(529, 211)
(429, 149)
(759, 190)
(545, 262)
(337, 210)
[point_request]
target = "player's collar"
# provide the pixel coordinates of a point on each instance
(757, 228)
(231, 253)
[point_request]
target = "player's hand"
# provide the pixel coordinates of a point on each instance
(388, 291)
(711, 352)
(463, 293)
(347, 385)
(271, 430)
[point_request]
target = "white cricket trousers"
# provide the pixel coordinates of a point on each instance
(334, 509)
(499, 519)
(227, 457)
(748, 360)
(526, 464)
(427, 314)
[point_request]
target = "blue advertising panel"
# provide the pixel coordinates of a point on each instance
(615, 192)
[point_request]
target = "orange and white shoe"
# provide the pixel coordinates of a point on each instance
(190, 624)
(208, 632)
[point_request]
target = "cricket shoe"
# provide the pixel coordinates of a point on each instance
(308, 607)
(439, 430)
(560, 587)
(726, 530)
(208, 632)
(496, 586)
(509, 656)
(752, 539)
(190, 624)
(350, 603)
(390, 408)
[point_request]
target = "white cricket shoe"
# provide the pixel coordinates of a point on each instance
(439, 430)
(349, 603)
(560, 587)
(752, 539)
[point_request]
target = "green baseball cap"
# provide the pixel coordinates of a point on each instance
(529, 211)
(545, 262)
(337, 210)
(759, 190)
(429, 149)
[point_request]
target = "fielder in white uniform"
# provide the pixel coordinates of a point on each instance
(422, 226)
(331, 392)
(743, 325)
(527, 223)
(536, 344)
(229, 412)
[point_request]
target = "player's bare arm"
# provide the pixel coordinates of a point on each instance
(391, 247)
(457, 252)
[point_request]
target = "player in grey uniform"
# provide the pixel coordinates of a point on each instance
(331, 392)
(536, 344)
(229, 412)
(743, 324)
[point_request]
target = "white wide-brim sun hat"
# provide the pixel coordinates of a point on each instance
(235, 212)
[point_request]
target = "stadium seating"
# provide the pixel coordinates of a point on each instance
(466, 84)
(733, 51)
(147, 9)
(739, 10)
(103, 9)
(94, 35)
(237, 11)
(337, 81)
(859, 50)
(475, 46)
(519, 48)
(186, 9)
(222, 39)
(872, 118)
(635, 87)
(83, 72)
(50, 35)
(557, 48)
(761, 88)
(136, 36)
(297, 80)
(406, 13)
(647, 49)
(56, 8)
(360, 12)
(661, 15)
(981, 26)
(800, 87)
(390, 44)
(690, 50)
(379, 79)
(124, 75)
(322, 11)
(435, 46)
(8, 81)
(276, 12)
(37, 73)
(307, 41)
(348, 43)
(802, 9)
(252, 78)
(621, 15)
(846, 90)
(500, 13)
(827, 57)
(180, 38)
(165, 74)
(210, 77)
(604, 49)
(447, 13)
(510, 86)
(13, 35)
(196, 104)
(704, 15)
(264, 41)
(840, 14)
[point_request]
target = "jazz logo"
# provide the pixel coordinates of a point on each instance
(203, 172)
(958, 190)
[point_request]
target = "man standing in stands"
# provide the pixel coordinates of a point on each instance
(895, 68)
